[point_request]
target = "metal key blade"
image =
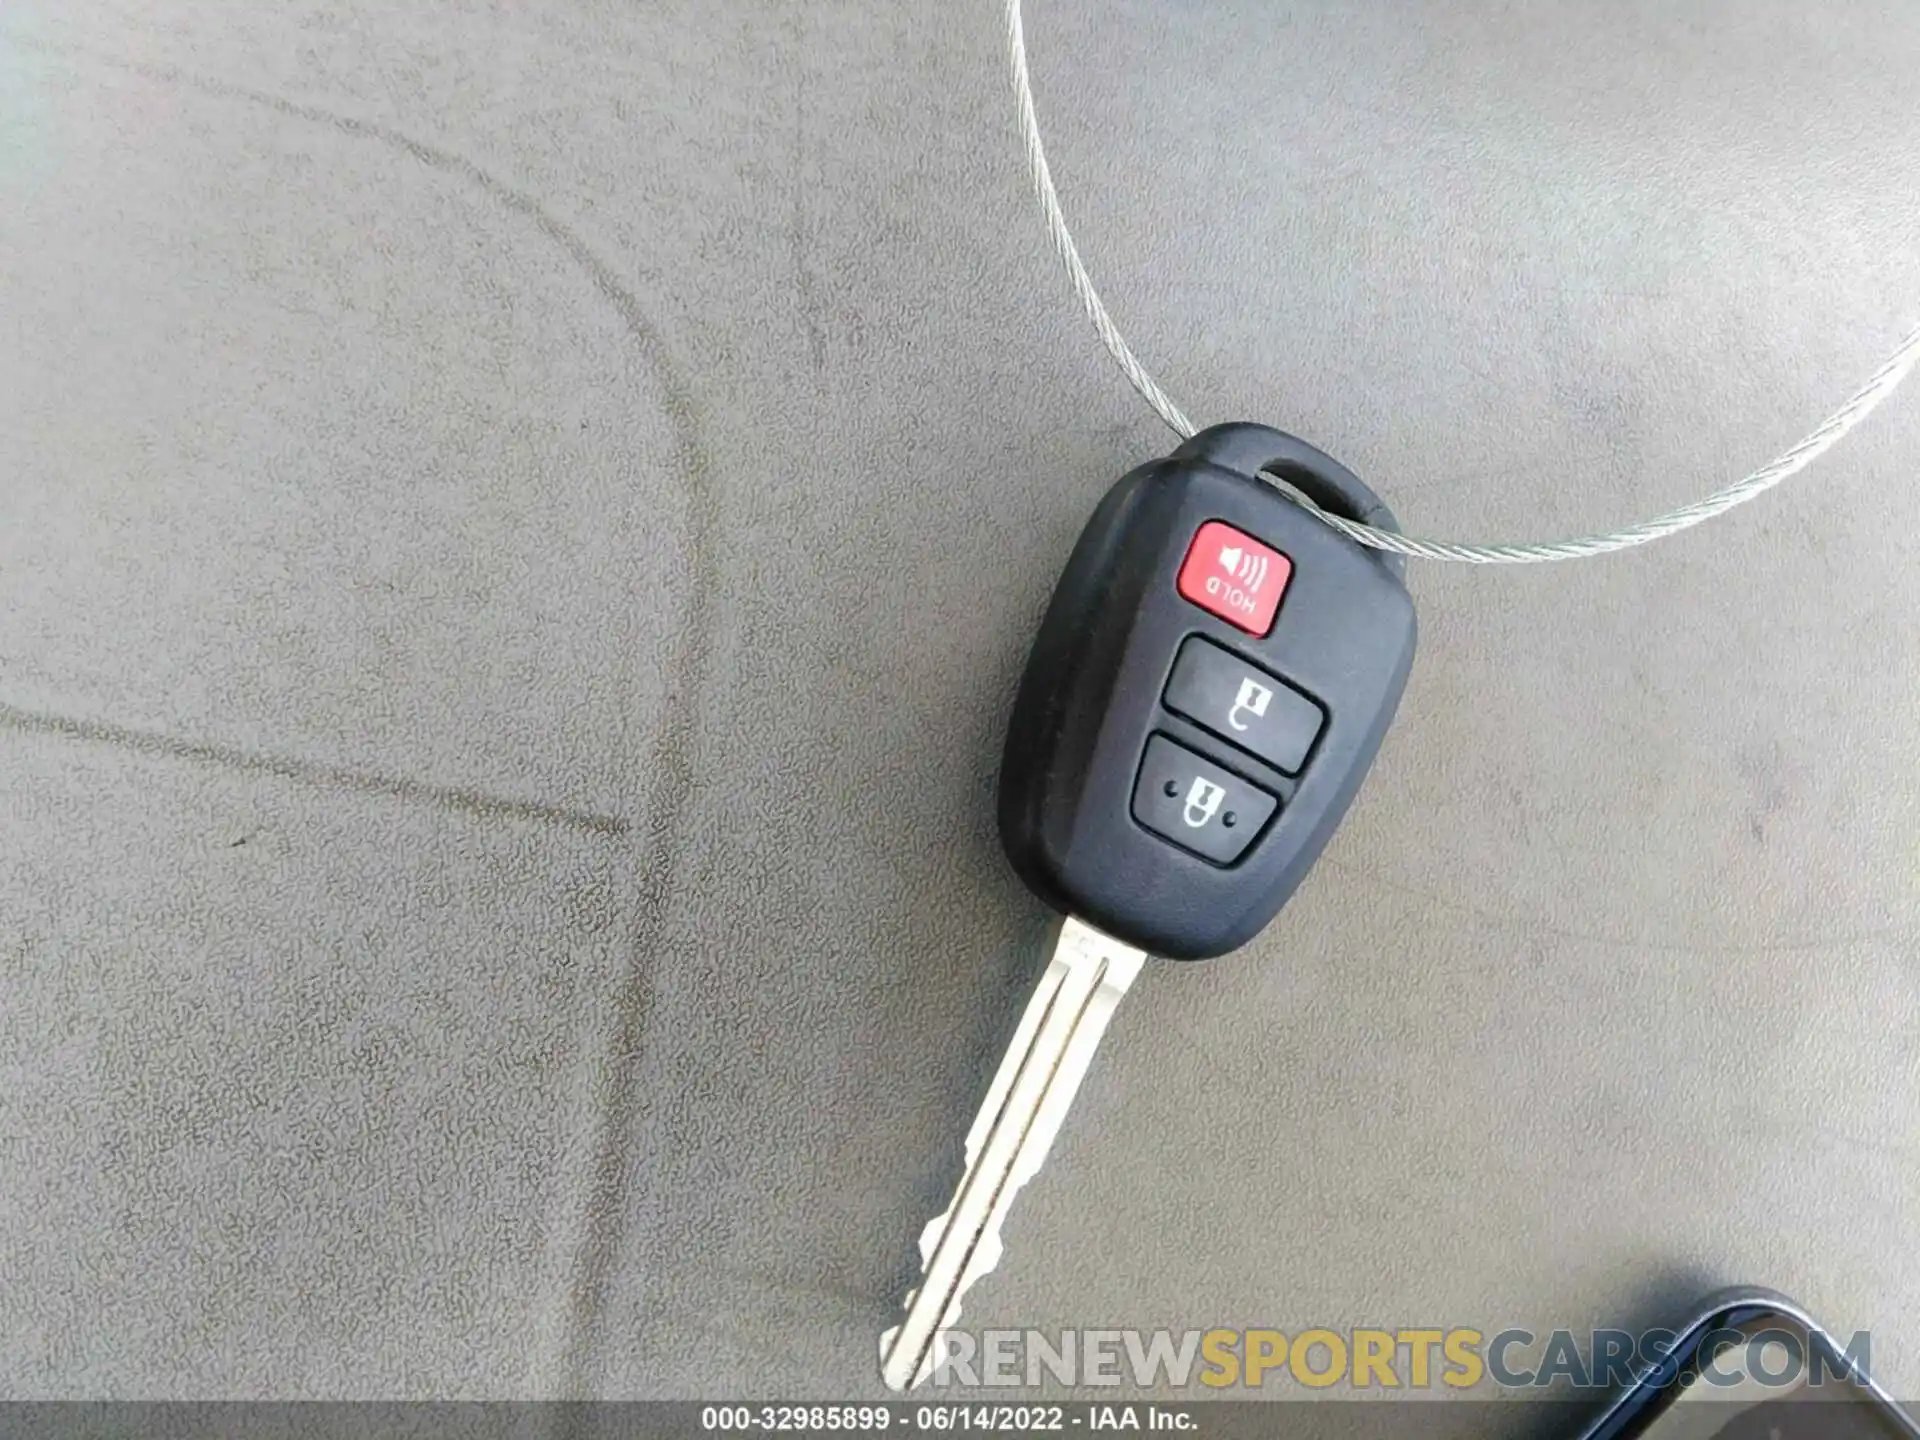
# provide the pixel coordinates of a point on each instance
(1031, 1091)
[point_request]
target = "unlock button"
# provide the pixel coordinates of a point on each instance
(1244, 706)
(1186, 798)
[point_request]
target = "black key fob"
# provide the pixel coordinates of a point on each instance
(1208, 689)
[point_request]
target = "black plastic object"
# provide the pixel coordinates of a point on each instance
(1080, 821)
(1715, 1353)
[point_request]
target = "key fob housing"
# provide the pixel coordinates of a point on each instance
(1180, 749)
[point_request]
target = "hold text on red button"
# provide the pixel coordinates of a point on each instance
(1232, 575)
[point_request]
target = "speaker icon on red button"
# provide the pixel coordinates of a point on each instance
(1233, 576)
(1250, 570)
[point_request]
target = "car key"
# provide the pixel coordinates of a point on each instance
(1209, 687)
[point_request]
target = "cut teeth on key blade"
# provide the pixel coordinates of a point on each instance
(1008, 1142)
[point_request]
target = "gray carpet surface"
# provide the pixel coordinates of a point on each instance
(518, 529)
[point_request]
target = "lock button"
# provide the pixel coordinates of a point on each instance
(1186, 798)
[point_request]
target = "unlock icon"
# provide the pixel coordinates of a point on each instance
(1203, 802)
(1252, 700)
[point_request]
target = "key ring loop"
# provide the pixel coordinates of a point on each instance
(1862, 403)
(1308, 476)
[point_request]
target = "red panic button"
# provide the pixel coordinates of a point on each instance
(1235, 577)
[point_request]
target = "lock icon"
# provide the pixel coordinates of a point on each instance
(1203, 802)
